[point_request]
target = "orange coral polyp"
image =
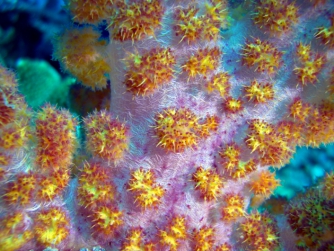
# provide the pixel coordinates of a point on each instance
(259, 92)
(326, 35)
(106, 220)
(232, 105)
(264, 184)
(107, 138)
(204, 238)
(203, 62)
(276, 17)
(233, 208)
(262, 54)
(174, 233)
(89, 11)
(137, 20)
(143, 185)
(95, 187)
(80, 51)
(149, 71)
(208, 182)
(219, 82)
(55, 131)
(178, 129)
(51, 226)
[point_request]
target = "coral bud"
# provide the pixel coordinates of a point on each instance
(107, 137)
(204, 238)
(143, 185)
(208, 182)
(51, 226)
(264, 184)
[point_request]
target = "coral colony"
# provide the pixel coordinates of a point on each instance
(204, 99)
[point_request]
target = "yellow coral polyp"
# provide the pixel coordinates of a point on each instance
(300, 110)
(48, 190)
(233, 208)
(276, 17)
(309, 70)
(208, 182)
(242, 169)
(94, 186)
(264, 184)
(260, 232)
(220, 83)
(14, 232)
(14, 137)
(326, 34)
(20, 192)
(304, 52)
(259, 92)
(230, 152)
(187, 24)
(143, 185)
(178, 129)
(175, 232)
(106, 220)
(224, 247)
(203, 62)
(232, 105)
(262, 54)
(148, 72)
(273, 146)
(13, 242)
(204, 238)
(55, 131)
(107, 138)
(137, 20)
(134, 242)
(51, 226)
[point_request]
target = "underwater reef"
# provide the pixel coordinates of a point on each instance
(177, 131)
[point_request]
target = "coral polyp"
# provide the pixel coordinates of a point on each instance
(219, 83)
(262, 54)
(264, 184)
(326, 34)
(179, 129)
(175, 232)
(143, 185)
(106, 220)
(136, 20)
(56, 138)
(94, 186)
(277, 17)
(52, 226)
(208, 182)
(203, 62)
(149, 71)
(233, 208)
(260, 232)
(107, 137)
(204, 238)
(259, 92)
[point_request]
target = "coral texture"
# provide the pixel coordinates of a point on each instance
(206, 103)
